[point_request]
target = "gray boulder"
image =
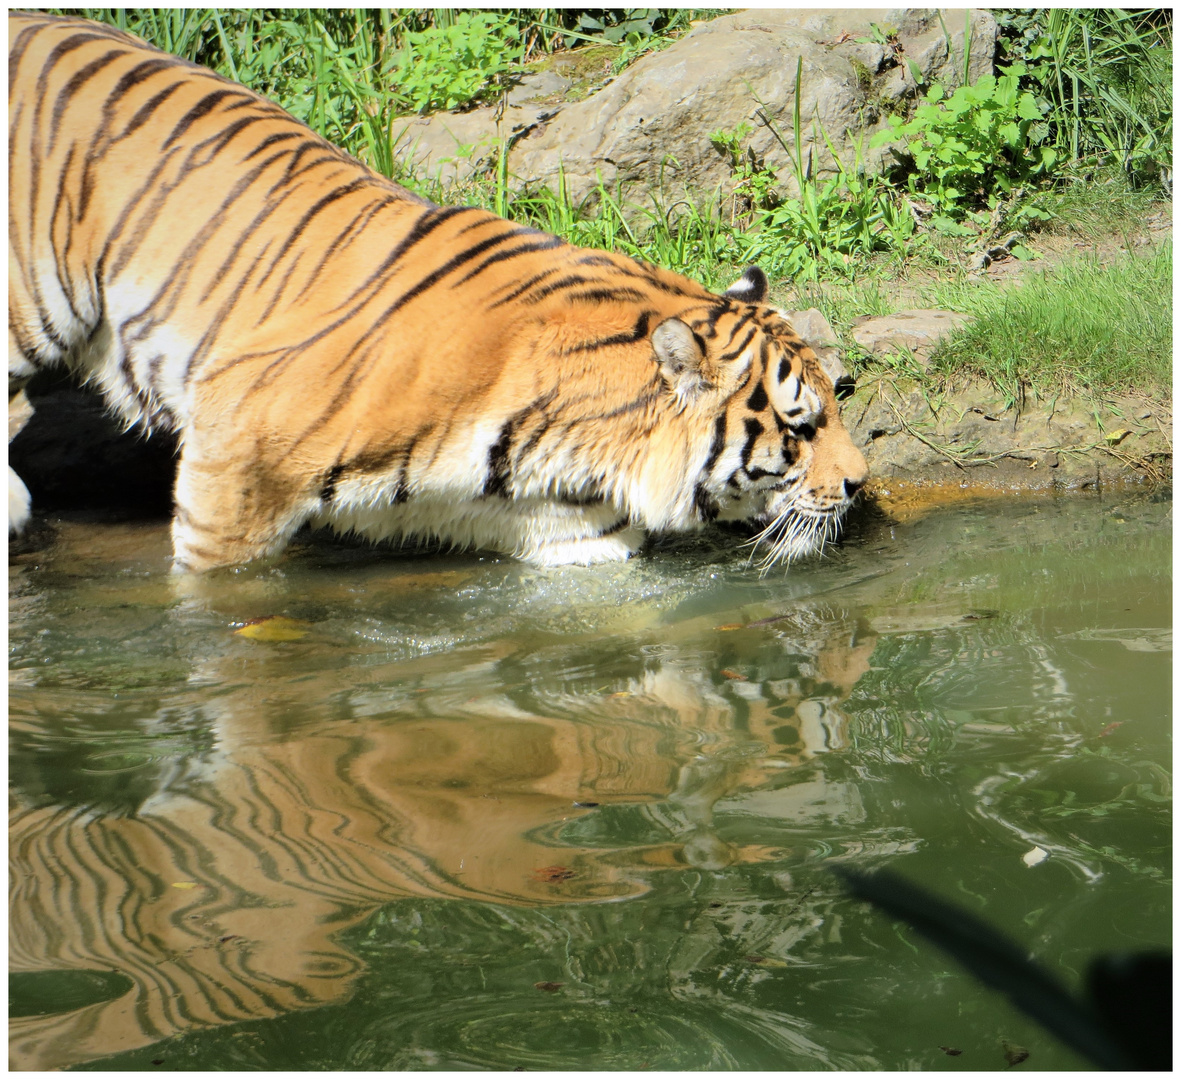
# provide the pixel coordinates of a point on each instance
(650, 127)
(916, 331)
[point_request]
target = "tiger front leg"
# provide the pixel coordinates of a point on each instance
(563, 534)
(231, 508)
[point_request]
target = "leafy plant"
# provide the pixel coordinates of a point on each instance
(615, 25)
(971, 146)
(1104, 78)
(753, 181)
(443, 67)
(824, 227)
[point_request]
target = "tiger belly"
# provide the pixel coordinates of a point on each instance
(538, 531)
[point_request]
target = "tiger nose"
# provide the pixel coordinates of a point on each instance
(853, 485)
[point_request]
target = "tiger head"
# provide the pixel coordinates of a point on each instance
(779, 456)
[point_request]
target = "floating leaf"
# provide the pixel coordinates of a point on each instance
(767, 961)
(184, 885)
(737, 676)
(1014, 1055)
(553, 874)
(729, 626)
(274, 628)
(549, 987)
(1034, 856)
(951, 1051)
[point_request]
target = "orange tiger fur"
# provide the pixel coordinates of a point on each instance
(333, 349)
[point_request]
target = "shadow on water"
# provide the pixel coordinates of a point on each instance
(478, 815)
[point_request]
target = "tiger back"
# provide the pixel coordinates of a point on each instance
(332, 349)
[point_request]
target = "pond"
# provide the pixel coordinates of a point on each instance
(369, 809)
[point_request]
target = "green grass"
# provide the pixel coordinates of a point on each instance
(1107, 204)
(1084, 325)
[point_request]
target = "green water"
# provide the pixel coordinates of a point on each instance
(478, 815)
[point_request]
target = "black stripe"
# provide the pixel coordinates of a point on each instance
(270, 140)
(316, 208)
(351, 231)
(718, 444)
(312, 145)
(186, 263)
(757, 401)
(328, 490)
(554, 286)
(705, 504)
(16, 53)
(753, 430)
(524, 287)
(603, 296)
(496, 481)
(423, 227)
(144, 113)
(131, 79)
(433, 277)
(77, 81)
(635, 268)
(541, 405)
(522, 249)
(637, 333)
(203, 107)
(735, 353)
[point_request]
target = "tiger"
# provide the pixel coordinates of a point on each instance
(332, 349)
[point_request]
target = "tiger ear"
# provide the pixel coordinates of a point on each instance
(751, 288)
(681, 357)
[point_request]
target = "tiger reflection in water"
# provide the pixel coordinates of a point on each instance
(223, 895)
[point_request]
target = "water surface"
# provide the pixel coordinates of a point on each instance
(471, 814)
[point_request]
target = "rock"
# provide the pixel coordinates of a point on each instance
(651, 125)
(72, 454)
(453, 146)
(916, 331)
(814, 328)
(539, 87)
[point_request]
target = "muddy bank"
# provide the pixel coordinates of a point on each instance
(970, 440)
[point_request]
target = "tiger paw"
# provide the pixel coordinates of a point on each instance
(19, 504)
(587, 551)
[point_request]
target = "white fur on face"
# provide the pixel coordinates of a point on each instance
(795, 402)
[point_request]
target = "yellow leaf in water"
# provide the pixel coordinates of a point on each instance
(274, 628)
(767, 961)
(184, 884)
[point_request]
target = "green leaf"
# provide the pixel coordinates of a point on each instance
(1027, 108)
